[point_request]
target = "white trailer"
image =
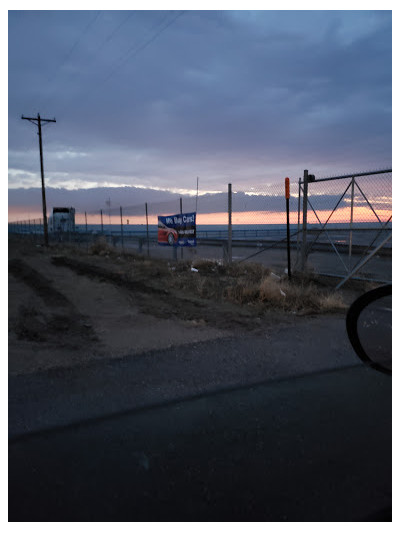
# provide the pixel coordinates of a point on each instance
(62, 220)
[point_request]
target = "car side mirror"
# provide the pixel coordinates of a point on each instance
(369, 327)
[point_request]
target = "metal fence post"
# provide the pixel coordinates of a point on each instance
(287, 197)
(86, 231)
(351, 220)
(122, 229)
(181, 226)
(298, 223)
(147, 231)
(229, 223)
(304, 226)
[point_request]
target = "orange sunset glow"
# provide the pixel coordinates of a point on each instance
(341, 215)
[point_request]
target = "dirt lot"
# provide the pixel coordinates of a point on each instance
(70, 306)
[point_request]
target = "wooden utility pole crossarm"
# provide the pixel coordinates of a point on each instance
(38, 122)
(35, 120)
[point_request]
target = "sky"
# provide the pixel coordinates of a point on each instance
(156, 99)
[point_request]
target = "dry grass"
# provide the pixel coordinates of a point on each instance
(100, 247)
(253, 271)
(249, 284)
(299, 295)
(253, 284)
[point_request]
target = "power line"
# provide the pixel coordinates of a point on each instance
(110, 36)
(133, 52)
(135, 45)
(145, 44)
(116, 29)
(68, 55)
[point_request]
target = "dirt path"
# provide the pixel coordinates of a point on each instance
(58, 317)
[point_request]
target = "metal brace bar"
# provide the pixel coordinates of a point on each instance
(366, 199)
(333, 246)
(267, 247)
(375, 238)
(357, 175)
(364, 262)
(334, 209)
(374, 280)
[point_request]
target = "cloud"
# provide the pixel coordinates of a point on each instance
(239, 96)
(375, 190)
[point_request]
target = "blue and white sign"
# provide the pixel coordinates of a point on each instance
(177, 230)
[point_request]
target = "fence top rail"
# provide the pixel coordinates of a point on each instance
(354, 175)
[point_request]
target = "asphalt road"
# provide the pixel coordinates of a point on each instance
(279, 427)
(66, 395)
(311, 448)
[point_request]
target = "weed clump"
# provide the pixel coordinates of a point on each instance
(259, 286)
(100, 247)
(299, 295)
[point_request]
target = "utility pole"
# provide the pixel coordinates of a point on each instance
(38, 122)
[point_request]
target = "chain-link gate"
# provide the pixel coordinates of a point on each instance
(350, 216)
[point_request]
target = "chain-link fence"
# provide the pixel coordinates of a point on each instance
(259, 223)
(335, 224)
(258, 219)
(31, 229)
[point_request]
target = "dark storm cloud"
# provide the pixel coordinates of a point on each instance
(133, 200)
(141, 98)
